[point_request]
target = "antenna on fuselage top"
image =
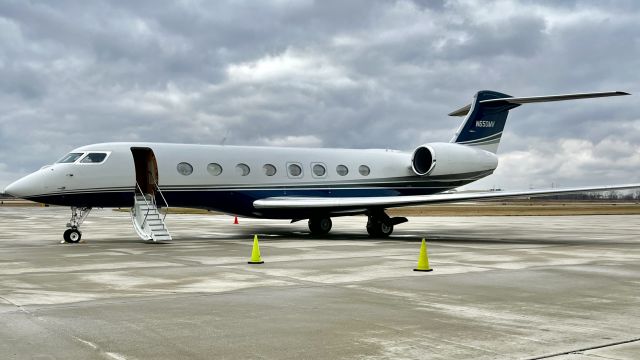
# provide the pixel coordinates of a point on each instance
(224, 139)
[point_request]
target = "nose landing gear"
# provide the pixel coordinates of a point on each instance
(78, 215)
(72, 236)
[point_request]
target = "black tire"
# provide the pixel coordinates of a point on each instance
(320, 226)
(72, 236)
(378, 229)
(385, 230)
(66, 237)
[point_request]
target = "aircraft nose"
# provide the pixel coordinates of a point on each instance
(27, 186)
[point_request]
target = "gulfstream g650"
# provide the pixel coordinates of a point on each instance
(283, 183)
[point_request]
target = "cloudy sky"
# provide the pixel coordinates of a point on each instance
(360, 74)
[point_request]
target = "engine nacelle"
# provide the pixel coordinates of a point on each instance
(449, 158)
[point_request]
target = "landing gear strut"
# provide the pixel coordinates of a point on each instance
(380, 225)
(320, 226)
(78, 215)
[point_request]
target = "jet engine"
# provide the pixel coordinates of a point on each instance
(436, 159)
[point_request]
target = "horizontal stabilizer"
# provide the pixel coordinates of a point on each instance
(337, 203)
(534, 99)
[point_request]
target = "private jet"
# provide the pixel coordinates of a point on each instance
(313, 184)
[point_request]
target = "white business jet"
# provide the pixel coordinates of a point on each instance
(283, 183)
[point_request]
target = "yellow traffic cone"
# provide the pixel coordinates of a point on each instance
(423, 260)
(255, 252)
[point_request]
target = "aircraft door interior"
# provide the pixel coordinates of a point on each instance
(146, 169)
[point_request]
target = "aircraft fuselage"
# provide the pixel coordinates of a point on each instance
(230, 178)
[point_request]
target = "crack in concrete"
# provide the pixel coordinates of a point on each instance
(581, 350)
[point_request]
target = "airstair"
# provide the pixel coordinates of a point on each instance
(146, 217)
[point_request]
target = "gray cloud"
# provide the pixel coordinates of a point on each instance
(322, 73)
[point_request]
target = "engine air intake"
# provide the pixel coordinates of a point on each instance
(422, 161)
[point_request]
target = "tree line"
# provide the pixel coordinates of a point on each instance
(603, 195)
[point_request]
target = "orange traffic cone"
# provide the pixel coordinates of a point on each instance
(235, 221)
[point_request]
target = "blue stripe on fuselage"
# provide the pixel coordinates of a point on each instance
(235, 202)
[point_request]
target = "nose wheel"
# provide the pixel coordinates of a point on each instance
(78, 215)
(72, 236)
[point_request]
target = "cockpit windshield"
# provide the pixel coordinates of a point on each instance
(70, 158)
(93, 158)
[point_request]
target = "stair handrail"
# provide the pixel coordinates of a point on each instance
(155, 182)
(144, 221)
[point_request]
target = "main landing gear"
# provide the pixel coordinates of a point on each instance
(78, 215)
(320, 225)
(380, 225)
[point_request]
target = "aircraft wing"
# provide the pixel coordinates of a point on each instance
(293, 202)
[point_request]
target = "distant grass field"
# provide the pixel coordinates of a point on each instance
(503, 208)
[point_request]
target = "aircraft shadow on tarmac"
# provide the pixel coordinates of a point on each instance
(442, 238)
(269, 233)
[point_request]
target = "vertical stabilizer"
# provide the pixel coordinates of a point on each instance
(483, 125)
(487, 114)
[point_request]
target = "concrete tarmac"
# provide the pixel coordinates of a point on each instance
(502, 288)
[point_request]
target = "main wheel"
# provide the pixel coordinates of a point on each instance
(72, 235)
(320, 226)
(378, 229)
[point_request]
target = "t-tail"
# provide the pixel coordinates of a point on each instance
(487, 115)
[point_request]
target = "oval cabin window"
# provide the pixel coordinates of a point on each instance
(242, 169)
(342, 170)
(214, 169)
(184, 168)
(319, 170)
(295, 170)
(364, 170)
(269, 169)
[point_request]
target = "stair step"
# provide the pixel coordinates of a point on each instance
(148, 219)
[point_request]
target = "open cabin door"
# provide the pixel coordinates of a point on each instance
(146, 169)
(146, 217)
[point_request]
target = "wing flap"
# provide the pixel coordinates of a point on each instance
(292, 202)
